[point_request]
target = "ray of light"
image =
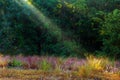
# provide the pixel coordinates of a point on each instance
(38, 17)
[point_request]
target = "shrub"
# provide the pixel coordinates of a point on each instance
(15, 63)
(110, 33)
(45, 66)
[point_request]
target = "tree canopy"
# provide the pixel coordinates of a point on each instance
(59, 27)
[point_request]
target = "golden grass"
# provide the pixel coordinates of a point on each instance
(93, 69)
(14, 74)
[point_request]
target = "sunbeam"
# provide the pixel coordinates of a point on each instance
(52, 28)
(38, 16)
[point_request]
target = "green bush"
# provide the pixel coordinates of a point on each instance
(16, 63)
(45, 66)
(110, 32)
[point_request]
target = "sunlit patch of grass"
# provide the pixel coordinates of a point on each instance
(97, 63)
(93, 66)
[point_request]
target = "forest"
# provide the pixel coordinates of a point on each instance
(86, 29)
(60, 27)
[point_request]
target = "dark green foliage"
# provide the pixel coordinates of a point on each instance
(110, 32)
(104, 5)
(79, 27)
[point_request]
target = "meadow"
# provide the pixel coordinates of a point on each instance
(57, 68)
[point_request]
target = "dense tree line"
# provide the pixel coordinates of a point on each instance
(86, 25)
